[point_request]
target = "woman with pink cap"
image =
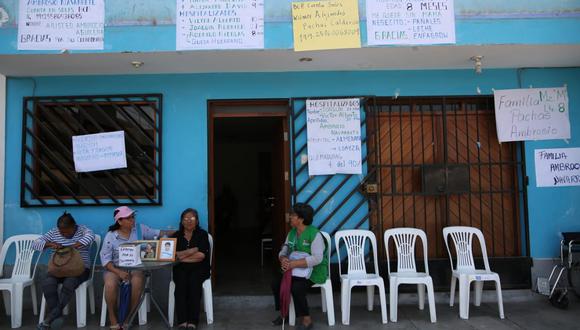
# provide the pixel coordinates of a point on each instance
(124, 230)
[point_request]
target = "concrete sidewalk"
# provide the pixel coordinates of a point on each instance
(523, 309)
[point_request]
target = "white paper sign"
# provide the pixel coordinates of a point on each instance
(410, 22)
(333, 136)
(219, 24)
(61, 24)
(557, 167)
(129, 255)
(97, 152)
(532, 114)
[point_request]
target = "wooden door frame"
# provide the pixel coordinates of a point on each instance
(214, 114)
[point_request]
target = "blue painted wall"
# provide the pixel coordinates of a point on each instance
(185, 133)
(149, 25)
(553, 210)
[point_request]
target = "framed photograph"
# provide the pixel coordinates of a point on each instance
(167, 248)
(148, 250)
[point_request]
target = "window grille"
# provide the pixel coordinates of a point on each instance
(48, 176)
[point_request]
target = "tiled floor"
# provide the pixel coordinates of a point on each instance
(524, 310)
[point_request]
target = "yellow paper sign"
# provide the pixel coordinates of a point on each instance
(332, 24)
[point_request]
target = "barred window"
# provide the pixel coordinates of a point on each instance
(48, 170)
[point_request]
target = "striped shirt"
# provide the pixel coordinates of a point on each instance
(82, 235)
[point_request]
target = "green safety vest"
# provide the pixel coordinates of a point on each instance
(319, 272)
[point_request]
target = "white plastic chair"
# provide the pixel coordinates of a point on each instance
(357, 275)
(465, 270)
(405, 239)
(21, 276)
(81, 292)
(206, 288)
(325, 291)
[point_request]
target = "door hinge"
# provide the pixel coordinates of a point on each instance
(285, 136)
(286, 175)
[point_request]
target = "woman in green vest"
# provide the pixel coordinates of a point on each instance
(304, 253)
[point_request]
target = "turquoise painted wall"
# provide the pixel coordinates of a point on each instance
(185, 133)
(553, 210)
(149, 25)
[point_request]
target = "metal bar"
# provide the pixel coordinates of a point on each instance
(445, 158)
(313, 194)
(393, 176)
(412, 165)
(491, 194)
(454, 105)
(53, 177)
(83, 130)
(136, 164)
(421, 115)
(468, 142)
(52, 192)
(348, 196)
(402, 163)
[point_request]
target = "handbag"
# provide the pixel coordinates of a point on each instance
(66, 262)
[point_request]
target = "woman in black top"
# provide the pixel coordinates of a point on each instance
(192, 270)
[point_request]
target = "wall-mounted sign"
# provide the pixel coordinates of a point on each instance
(219, 24)
(98, 152)
(61, 24)
(557, 167)
(532, 114)
(331, 24)
(333, 136)
(396, 22)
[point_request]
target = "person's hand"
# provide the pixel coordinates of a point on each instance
(77, 245)
(123, 275)
(284, 263)
(53, 245)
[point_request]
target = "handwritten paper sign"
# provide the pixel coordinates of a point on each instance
(219, 24)
(97, 152)
(532, 114)
(396, 22)
(129, 255)
(557, 167)
(61, 24)
(333, 136)
(329, 24)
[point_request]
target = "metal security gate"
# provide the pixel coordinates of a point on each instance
(442, 165)
(340, 201)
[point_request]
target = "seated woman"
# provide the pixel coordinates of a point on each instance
(123, 231)
(305, 241)
(192, 270)
(66, 233)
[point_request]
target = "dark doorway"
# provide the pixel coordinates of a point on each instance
(248, 174)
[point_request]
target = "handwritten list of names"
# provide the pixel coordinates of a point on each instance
(220, 24)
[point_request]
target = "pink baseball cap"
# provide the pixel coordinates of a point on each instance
(123, 212)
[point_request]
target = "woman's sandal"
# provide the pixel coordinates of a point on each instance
(115, 327)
